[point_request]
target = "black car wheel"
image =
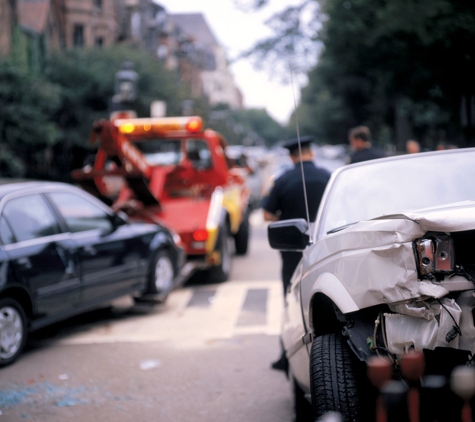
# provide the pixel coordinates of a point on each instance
(221, 272)
(241, 238)
(333, 378)
(162, 275)
(12, 330)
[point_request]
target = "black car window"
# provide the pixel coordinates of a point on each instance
(6, 234)
(29, 217)
(79, 213)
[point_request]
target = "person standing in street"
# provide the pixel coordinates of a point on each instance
(412, 146)
(286, 200)
(360, 144)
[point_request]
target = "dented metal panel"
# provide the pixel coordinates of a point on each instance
(375, 261)
(427, 326)
(451, 218)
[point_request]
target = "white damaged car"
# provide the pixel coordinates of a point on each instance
(388, 267)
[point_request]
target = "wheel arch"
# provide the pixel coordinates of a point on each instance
(225, 218)
(22, 297)
(329, 302)
(160, 240)
(163, 247)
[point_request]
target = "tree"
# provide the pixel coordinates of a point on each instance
(245, 127)
(86, 78)
(27, 132)
(401, 66)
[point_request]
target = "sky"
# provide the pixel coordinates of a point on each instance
(237, 31)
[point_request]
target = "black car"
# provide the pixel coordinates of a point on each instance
(64, 252)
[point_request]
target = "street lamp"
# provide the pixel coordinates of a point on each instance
(125, 86)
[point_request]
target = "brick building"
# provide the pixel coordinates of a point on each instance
(215, 80)
(90, 23)
(32, 29)
(6, 23)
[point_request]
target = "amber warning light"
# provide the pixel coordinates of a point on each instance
(159, 125)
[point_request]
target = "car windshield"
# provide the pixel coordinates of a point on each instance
(160, 152)
(409, 183)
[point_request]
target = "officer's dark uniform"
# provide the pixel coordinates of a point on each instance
(286, 199)
(365, 155)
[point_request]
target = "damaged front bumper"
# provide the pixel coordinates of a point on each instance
(414, 293)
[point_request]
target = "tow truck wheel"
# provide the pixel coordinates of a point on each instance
(221, 272)
(241, 238)
(162, 275)
(13, 330)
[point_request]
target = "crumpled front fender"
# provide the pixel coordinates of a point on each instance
(333, 288)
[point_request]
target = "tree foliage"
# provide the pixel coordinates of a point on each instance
(46, 118)
(86, 81)
(27, 103)
(245, 127)
(403, 67)
(86, 78)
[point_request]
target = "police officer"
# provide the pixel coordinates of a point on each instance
(286, 200)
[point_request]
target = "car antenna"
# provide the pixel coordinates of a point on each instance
(300, 149)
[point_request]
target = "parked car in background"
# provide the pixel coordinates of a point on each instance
(251, 161)
(64, 252)
(389, 267)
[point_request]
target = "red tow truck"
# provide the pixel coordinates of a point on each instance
(173, 171)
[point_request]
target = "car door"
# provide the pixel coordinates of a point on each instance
(108, 255)
(42, 258)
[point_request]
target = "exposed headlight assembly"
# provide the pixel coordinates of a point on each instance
(435, 255)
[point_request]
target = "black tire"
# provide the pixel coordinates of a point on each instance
(301, 407)
(221, 272)
(333, 378)
(162, 275)
(241, 238)
(13, 333)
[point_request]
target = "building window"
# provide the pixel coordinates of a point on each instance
(135, 23)
(78, 36)
(98, 4)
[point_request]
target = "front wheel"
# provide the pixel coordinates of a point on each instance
(241, 238)
(221, 272)
(162, 275)
(333, 378)
(12, 330)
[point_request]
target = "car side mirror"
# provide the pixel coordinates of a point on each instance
(288, 235)
(120, 219)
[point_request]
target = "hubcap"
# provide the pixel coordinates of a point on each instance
(163, 274)
(11, 332)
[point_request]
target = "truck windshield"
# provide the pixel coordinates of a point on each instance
(160, 152)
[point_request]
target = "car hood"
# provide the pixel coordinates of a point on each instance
(455, 217)
(374, 260)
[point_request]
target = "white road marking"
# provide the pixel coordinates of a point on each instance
(191, 327)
